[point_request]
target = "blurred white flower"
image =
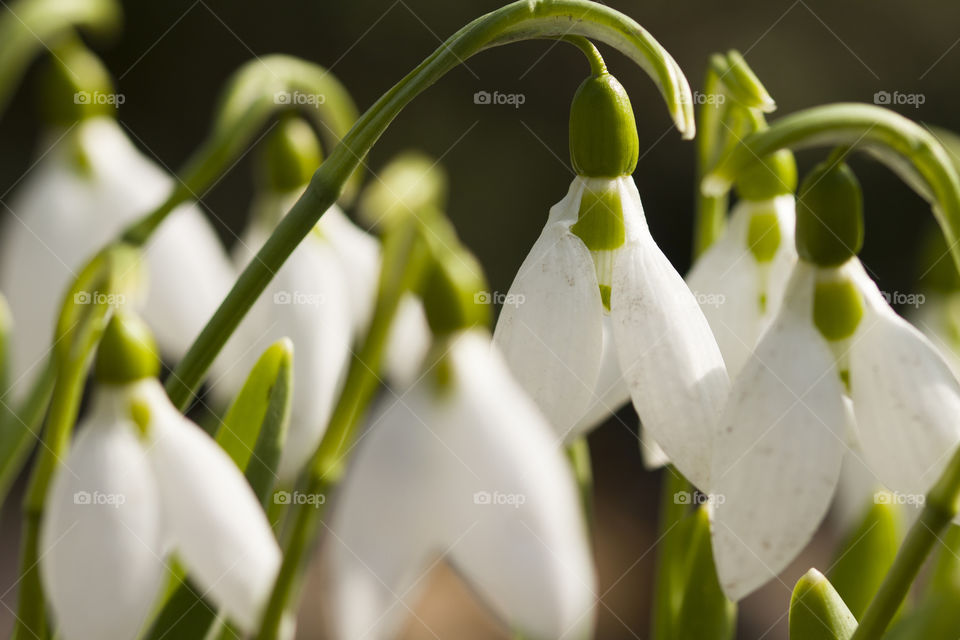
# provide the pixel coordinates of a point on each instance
(142, 482)
(600, 324)
(460, 466)
(81, 193)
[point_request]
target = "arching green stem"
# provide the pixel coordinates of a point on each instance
(30, 25)
(256, 91)
(904, 146)
(517, 21)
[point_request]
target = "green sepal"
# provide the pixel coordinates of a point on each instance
(704, 611)
(410, 183)
(127, 351)
(453, 283)
(866, 556)
(603, 130)
(262, 404)
(763, 235)
(775, 175)
(600, 219)
(829, 215)
(837, 308)
(290, 155)
(817, 612)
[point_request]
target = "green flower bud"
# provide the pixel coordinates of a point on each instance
(775, 175)
(76, 86)
(290, 156)
(829, 215)
(837, 308)
(603, 131)
(817, 612)
(127, 352)
(453, 283)
(410, 183)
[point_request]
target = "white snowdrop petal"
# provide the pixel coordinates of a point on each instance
(611, 391)
(359, 254)
(933, 318)
(494, 495)
(906, 399)
(101, 540)
(408, 342)
(552, 337)
(307, 302)
(779, 447)
(668, 354)
(737, 294)
(217, 525)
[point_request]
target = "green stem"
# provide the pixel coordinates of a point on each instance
(19, 429)
(904, 146)
(939, 509)
(518, 21)
(711, 211)
(672, 511)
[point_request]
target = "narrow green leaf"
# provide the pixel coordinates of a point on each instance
(866, 556)
(704, 612)
(817, 612)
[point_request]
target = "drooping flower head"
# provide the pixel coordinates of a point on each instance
(88, 184)
(459, 466)
(142, 482)
(835, 343)
(604, 315)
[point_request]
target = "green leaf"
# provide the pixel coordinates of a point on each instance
(704, 611)
(817, 612)
(866, 556)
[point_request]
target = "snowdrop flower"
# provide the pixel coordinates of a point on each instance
(783, 435)
(605, 316)
(141, 482)
(322, 298)
(462, 466)
(89, 183)
(739, 280)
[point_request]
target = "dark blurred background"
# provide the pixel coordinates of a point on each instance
(508, 165)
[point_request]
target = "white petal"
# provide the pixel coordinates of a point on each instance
(611, 391)
(307, 302)
(408, 342)
(552, 338)
(651, 453)
(359, 254)
(906, 400)
(524, 550)
(933, 316)
(669, 357)
(216, 523)
(779, 447)
(101, 544)
(737, 294)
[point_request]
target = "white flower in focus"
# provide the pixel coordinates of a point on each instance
(604, 315)
(786, 429)
(84, 190)
(460, 466)
(142, 482)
